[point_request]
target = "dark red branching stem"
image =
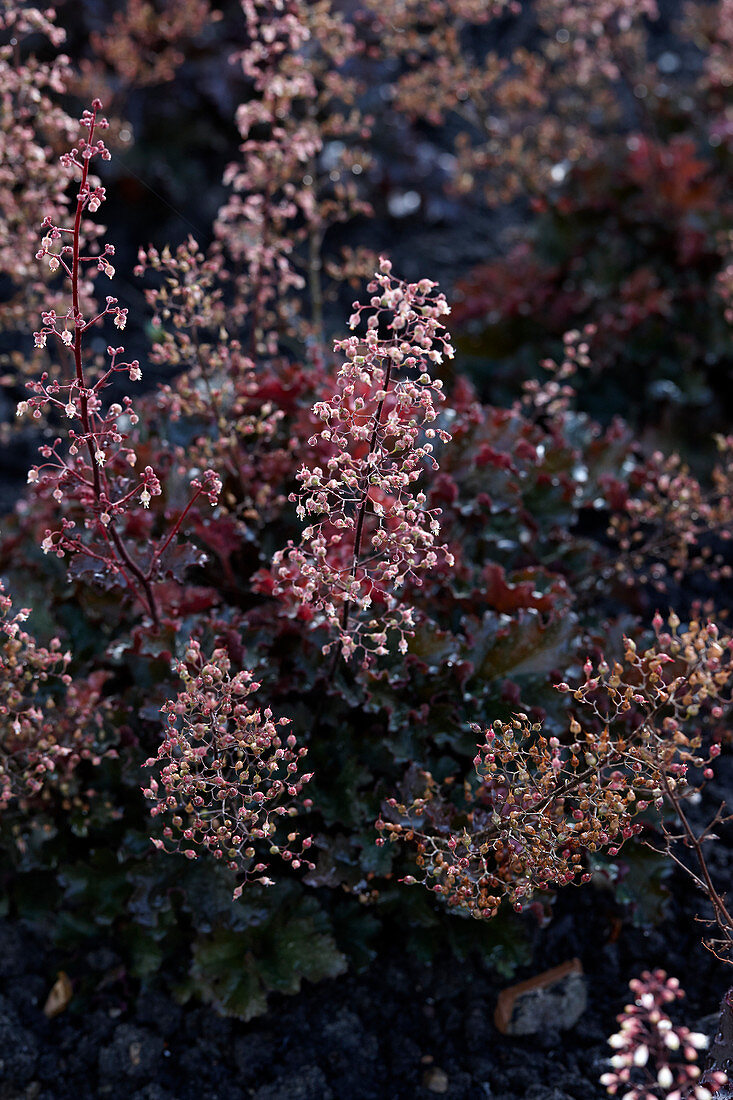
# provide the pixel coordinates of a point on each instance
(106, 486)
(723, 917)
(79, 327)
(361, 516)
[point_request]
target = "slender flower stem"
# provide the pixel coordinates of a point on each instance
(723, 918)
(361, 516)
(83, 400)
(174, 531)
(122, 551)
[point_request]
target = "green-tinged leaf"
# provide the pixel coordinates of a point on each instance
(522, 644)
(234, 970)
(638, 878)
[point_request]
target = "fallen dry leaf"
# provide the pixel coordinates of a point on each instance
(59, 996)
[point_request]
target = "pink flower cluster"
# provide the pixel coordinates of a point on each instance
(653, 1058)
(218, 388)
(142, 42)
(48, 723)
(229, 775)
(368, 534)
(29, 750)
(596, 31)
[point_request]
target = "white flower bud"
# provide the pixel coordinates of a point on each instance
(665, 1077)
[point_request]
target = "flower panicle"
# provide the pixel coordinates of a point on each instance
(368, 535)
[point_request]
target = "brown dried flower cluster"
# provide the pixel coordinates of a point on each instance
(673, 525)
(540, 805)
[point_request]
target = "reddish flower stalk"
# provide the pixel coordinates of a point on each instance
(96, 473)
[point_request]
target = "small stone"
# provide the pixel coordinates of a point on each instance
(435, 1079)
(554, 1000)
(134, 1052)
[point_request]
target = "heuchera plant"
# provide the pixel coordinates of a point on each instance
(49, 722)
(218, 388)
(302, 155)
(457, 601)
(32, 181)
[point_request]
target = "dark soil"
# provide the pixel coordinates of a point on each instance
(400, 1030)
